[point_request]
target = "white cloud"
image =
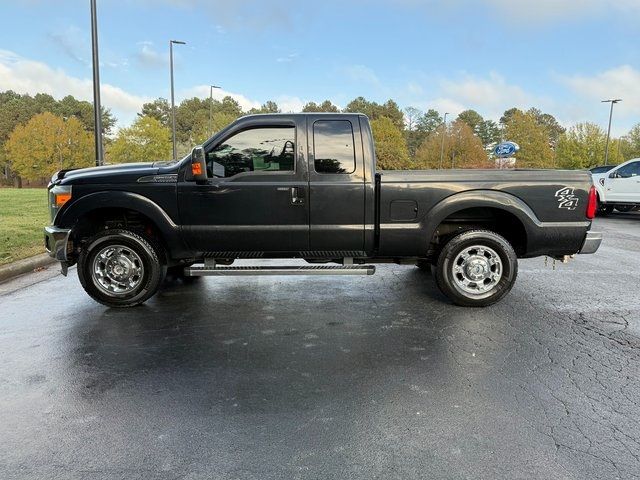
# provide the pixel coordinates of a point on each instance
(541, 10)
(287, 58)
(619, 82)
(290, 104)
(361, 74)
(28, 76)
(148, 56)
(589, 90)
(526, 13)
(490, 95)
(73, 42)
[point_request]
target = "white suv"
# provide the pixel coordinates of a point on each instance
(619, 187)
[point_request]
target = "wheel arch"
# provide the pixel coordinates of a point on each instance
(500, 212)
(102, 207)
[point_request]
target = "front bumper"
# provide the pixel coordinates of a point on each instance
(55, 241)
(591, 242)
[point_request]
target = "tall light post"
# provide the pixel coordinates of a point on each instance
(211, 87)
(97, 109)
(606, 151)
(444, 133)
(173, 105)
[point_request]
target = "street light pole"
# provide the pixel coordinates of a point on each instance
(606, 151)
(173, 105)
(211, 87)
(444, 133)
(97, 109)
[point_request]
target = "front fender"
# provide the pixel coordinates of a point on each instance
(171, 234)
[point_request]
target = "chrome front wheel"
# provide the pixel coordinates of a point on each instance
(121, 268)
(117, 270)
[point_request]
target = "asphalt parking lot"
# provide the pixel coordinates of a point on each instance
(332, 378)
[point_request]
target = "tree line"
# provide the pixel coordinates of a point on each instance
(40, 135)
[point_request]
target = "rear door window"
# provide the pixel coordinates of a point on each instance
(333, 147)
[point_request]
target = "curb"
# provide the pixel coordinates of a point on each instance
(12, 270)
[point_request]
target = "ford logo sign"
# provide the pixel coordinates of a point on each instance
(506, 149)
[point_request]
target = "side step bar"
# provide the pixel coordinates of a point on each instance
(202, 271)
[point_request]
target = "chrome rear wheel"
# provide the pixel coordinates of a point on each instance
(477, 269)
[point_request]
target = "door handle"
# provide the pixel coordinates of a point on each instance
(296, 199)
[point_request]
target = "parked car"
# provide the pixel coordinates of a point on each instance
(306, 186)
(619, 187)
(601, 168)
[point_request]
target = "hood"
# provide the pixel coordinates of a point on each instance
(105, 174)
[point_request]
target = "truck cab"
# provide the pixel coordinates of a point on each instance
(284, 185)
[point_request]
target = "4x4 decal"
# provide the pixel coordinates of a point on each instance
(566, 198)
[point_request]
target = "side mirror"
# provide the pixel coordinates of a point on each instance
(613, 175)
(198, 164)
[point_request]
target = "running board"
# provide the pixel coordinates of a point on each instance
(205, 271)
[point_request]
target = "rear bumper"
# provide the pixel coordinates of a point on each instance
(591, 242)
(55, 241)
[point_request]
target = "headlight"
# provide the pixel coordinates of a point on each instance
(58, 196)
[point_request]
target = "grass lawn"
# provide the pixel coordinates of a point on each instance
(23, 214)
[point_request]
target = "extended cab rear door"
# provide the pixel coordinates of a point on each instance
(336, 184)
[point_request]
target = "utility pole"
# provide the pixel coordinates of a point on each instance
(97, 109)
(444, 133)
(211, 87)
(173, 105)
(606, 151)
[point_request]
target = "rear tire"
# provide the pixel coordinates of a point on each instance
(121, 268)
(476, 268)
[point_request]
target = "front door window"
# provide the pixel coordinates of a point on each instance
(254, 150)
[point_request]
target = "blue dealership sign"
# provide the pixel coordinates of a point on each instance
(506, 149)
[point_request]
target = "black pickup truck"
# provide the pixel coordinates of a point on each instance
(306, 186)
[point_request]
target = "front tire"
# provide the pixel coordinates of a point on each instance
(476, 268)
(121, 268)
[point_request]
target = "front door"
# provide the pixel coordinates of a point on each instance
(336, 184)
(625, 184)
(256, 196)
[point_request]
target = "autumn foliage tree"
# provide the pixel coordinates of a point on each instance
(583, 146)
(391, 148)
(462, 149)
(533, 138)
(146, 140)
(48, 143)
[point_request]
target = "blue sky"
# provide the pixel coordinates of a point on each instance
(562, 56)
